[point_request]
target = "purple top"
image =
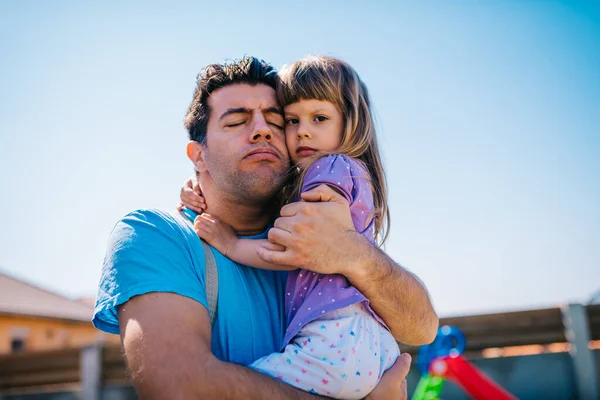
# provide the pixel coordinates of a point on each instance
(310, 295)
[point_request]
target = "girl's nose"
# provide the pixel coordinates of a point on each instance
(303, 133)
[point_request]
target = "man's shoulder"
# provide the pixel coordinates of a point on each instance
(149, 250)
(151, 226)
(157, 218)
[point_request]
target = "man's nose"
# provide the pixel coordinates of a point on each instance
(261, 129)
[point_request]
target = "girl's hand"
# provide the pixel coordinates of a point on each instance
(191, 196)
(219, 235)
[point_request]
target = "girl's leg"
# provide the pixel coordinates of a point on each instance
(374, 350)
(342, 355)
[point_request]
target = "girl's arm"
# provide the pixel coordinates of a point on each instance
(221, 236)
(244, 251)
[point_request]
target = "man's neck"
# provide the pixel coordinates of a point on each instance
(245, 219)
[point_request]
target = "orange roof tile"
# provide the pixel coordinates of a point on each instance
(18, 297)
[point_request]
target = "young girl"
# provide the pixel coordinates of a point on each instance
(335, 344)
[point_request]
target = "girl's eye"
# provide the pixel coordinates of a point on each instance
(292, 121)
(320, 118)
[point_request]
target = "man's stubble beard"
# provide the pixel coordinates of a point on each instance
(258, 186)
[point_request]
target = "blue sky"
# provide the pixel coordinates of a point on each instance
(488, 115)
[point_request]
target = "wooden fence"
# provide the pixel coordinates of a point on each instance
(94, 367)
(520, 328)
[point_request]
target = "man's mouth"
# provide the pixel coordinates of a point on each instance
(262, 153)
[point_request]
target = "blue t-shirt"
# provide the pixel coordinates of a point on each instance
(156, 251)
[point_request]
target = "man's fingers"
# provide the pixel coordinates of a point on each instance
(401, 367)
(312, 196)
(292, 209)
(280, 237)
(323, 193)
(393, 381)
(283, 223)
(273, 256)
(289, 210)
(276, 247)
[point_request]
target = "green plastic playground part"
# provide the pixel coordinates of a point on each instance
(429, 388)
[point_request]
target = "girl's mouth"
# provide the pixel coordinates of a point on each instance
(305, 151)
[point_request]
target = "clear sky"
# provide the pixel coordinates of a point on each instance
(489, 117)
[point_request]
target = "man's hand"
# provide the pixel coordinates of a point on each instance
(392, 385)
(316, 233)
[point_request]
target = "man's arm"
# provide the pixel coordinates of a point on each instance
(166, 336)
(319, 236)
(166, 339)
(396, 294)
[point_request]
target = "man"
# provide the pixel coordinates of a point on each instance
(152, 289)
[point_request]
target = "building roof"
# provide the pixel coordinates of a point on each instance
(18, 297)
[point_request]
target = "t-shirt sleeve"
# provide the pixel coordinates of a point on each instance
(148, 251)
(338, 171)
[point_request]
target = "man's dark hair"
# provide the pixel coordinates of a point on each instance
(248, 70)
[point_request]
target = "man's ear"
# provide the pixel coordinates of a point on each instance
(195, 152)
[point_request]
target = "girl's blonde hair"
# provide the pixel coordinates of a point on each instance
(330, 79)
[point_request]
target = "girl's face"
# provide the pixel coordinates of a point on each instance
(312, 125)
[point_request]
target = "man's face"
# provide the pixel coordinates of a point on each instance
(245, 152)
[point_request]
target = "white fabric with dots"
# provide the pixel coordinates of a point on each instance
(340, 355)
